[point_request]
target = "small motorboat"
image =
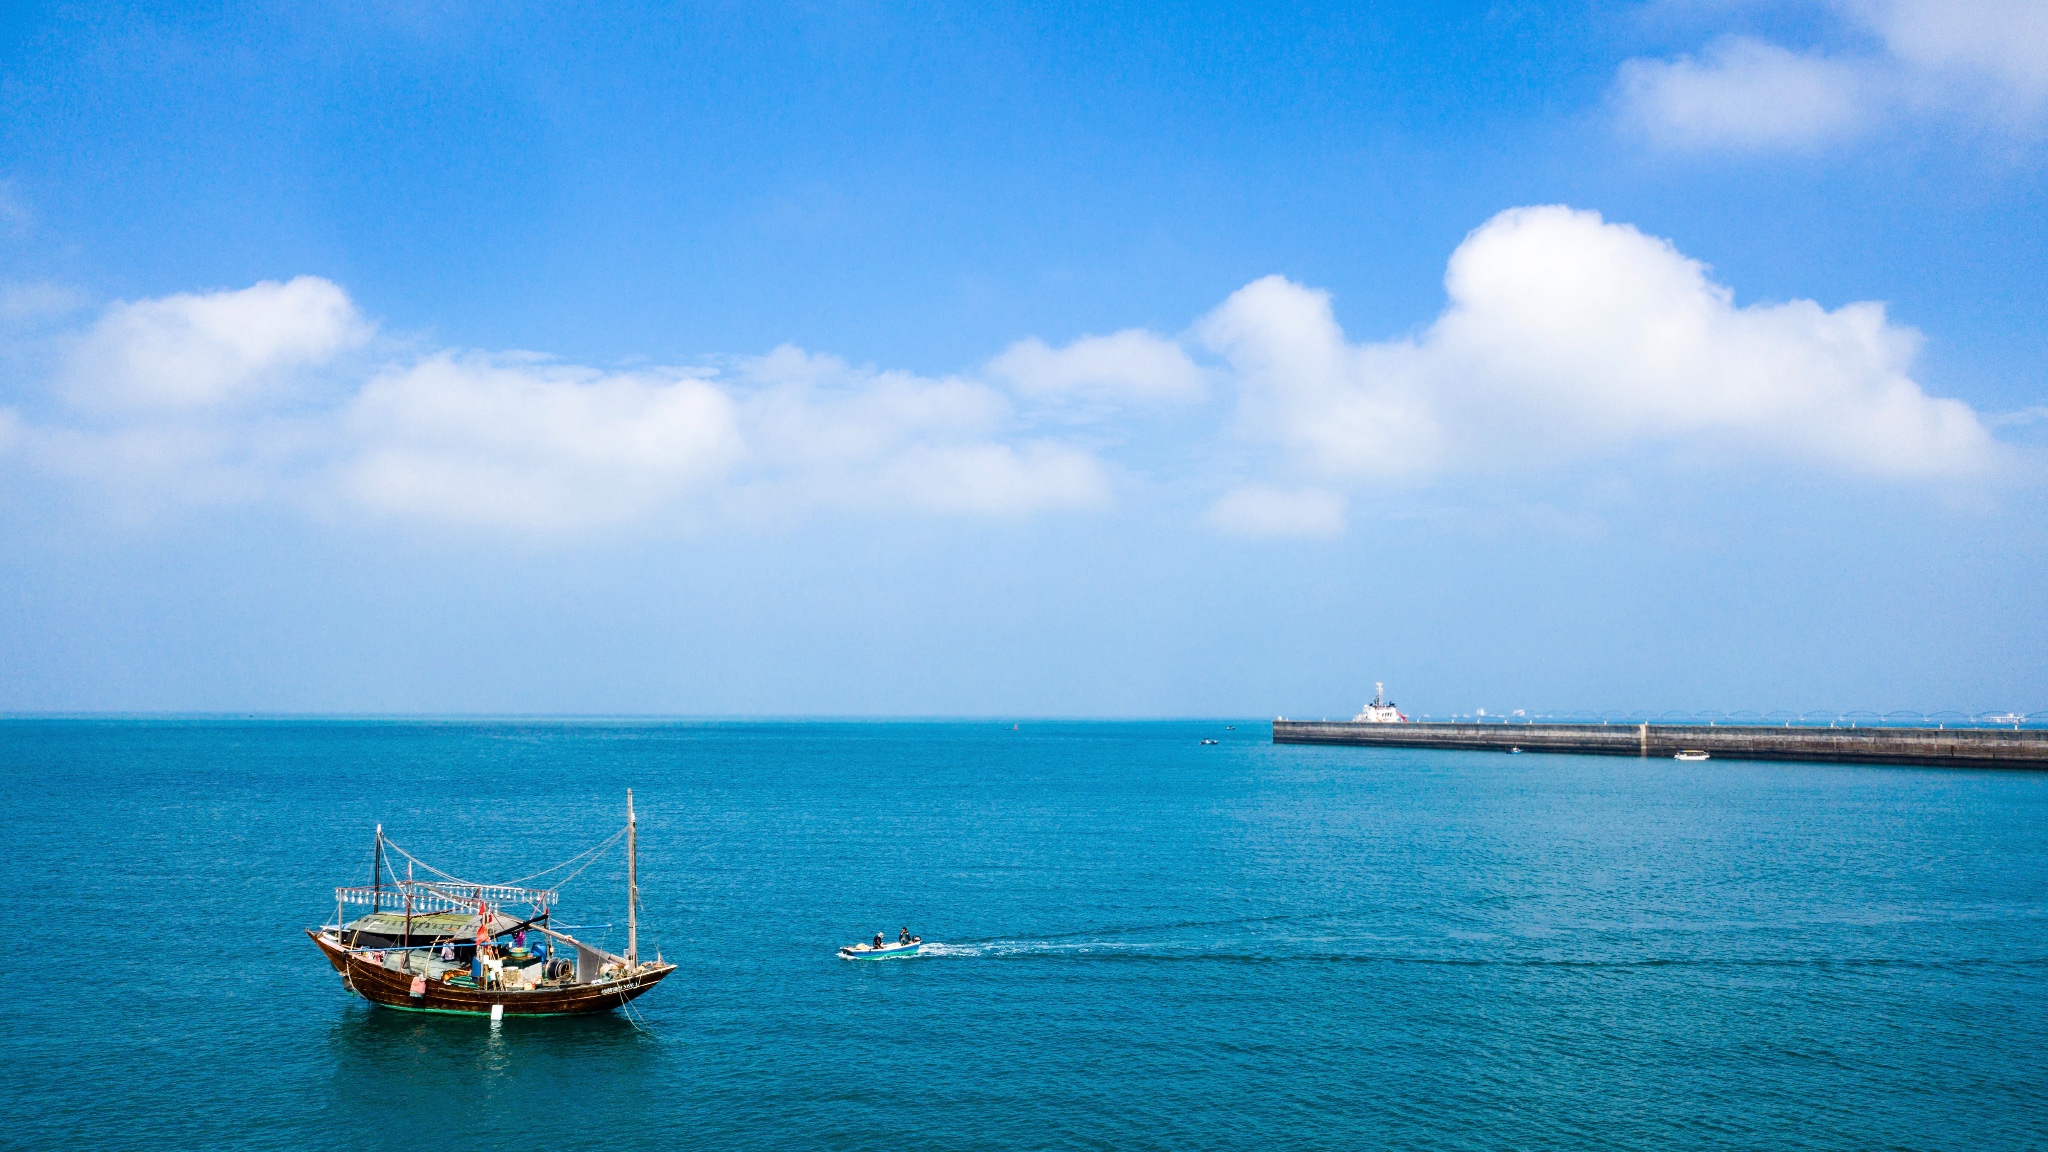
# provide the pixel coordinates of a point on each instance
(1514, 750)
(1691, 754)
(885, 952)
(1208, 741)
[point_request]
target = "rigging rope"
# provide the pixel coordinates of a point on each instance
(587, 857)
(448, 876)
(593, 853)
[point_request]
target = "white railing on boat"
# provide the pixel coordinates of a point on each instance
(442, 897)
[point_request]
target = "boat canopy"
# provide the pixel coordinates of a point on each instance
(461, 926)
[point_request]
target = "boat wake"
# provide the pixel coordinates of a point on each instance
(998, 949)
(1108, 950)
(1171, 940)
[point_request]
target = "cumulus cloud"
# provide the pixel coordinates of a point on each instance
(996, 479)
(1258, 511)
(1744, 92)
(1564, 339)
(1132, 364)
(194, 396)
(847, 435)
(1981, 60)
(1997, 44)
(476, 440)
(1348, 410)
(193, 351)
(1566, 336)
(816, 413)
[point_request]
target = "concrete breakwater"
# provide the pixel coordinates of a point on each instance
(1942, 747)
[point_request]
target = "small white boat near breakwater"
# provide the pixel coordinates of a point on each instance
(1691, 754)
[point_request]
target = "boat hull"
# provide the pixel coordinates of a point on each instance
(382, 986)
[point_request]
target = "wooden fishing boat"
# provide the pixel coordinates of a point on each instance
(451, 945)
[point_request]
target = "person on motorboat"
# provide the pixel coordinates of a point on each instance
(878, 941)
(903, 937)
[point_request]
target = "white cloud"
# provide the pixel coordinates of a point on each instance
(835, 434)
(1744, 92)
(531, 445)
(143, 468)
(2001, 44)
(38, 300)
(816, 413)
(195, 351)
(178, 397)
(1348, 410)
(1566, 337)
(1984, 61)
(473, 440)
(1258, 511)
(1133, 364)
(2037, 414)
(996, 479)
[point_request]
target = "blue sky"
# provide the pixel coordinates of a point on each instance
(1058, 360)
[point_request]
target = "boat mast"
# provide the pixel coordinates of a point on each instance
(377, 873)
(408, 902)
(632, 888)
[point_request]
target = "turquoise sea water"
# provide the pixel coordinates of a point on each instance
(1147, 943)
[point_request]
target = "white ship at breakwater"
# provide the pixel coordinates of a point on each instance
(1381, 710)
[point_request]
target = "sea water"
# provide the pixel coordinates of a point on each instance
(1139, 942)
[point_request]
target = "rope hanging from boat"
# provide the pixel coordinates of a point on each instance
(448, 876)
(592, 853)
(584, 859)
